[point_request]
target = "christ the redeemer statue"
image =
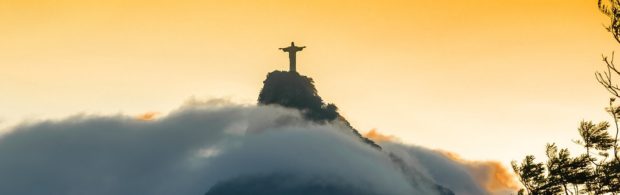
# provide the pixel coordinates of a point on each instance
(292, 51)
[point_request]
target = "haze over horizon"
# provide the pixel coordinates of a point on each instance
(476, 78)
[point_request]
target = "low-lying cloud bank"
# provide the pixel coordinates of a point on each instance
(460, 175)
(203, 144)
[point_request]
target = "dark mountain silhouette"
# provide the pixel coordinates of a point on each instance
(280, 184)
(292, 90)
(288, 184)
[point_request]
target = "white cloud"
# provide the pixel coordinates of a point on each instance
(192, 149)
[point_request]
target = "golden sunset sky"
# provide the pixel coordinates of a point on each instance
(487, 79)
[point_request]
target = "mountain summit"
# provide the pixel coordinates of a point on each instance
(292, 90)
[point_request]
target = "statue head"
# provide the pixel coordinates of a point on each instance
(292, 43)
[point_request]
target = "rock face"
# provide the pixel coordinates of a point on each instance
(292, 90)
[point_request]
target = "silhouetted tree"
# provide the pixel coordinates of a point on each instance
(598, 170)
(565, 171)
(611, 8)
(561, 174)
(532, 175)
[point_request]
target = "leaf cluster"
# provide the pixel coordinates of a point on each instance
(593, 172)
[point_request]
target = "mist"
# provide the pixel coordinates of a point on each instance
(203, 144)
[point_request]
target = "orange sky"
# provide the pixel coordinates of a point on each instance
(486, 79)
